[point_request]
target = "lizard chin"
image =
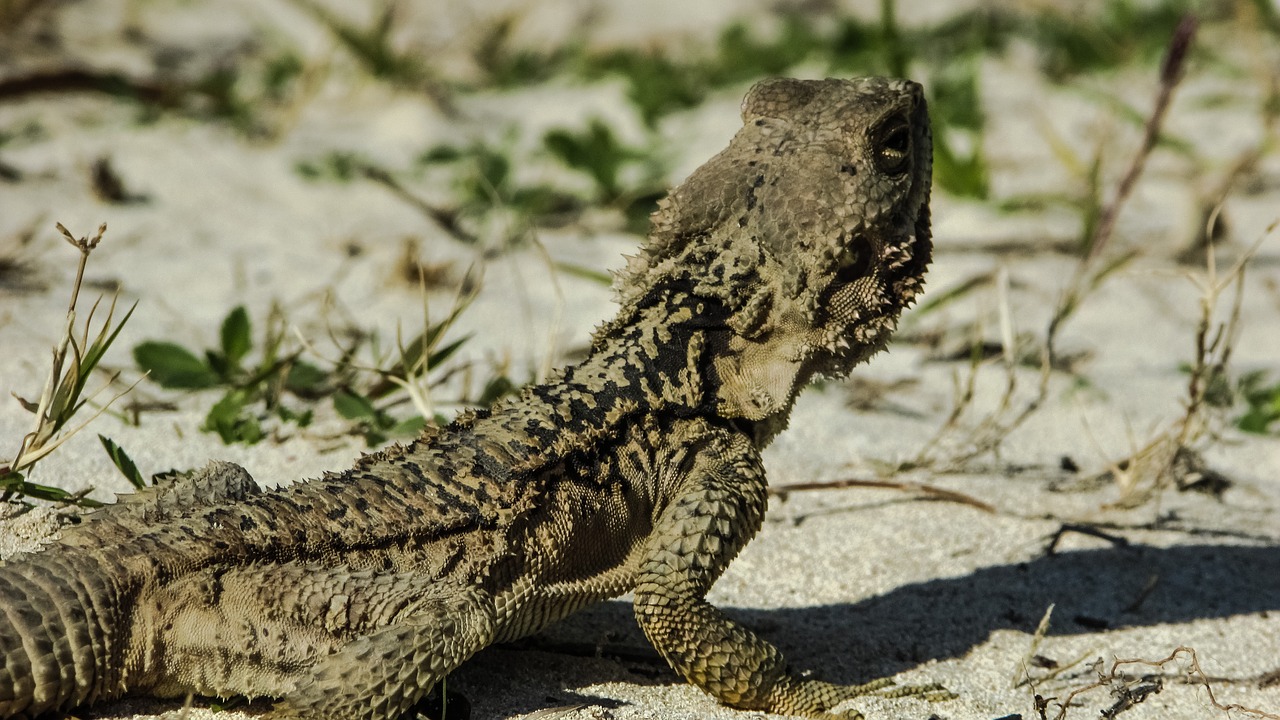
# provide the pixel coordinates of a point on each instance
(852, 348)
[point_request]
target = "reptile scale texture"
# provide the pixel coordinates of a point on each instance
(788, 256)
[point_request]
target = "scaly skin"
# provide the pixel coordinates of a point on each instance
(787, 256)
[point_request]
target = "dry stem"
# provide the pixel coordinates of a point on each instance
(1131, 695)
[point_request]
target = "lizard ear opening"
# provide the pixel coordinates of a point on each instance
(854, 264)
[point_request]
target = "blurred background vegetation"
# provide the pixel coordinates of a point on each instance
(498, 176)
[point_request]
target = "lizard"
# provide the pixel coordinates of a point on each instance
(788, 256)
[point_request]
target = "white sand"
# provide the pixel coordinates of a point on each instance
(855, 584)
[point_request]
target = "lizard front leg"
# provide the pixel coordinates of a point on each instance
(719, 505)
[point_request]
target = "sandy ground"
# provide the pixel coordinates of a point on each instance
(853, 583)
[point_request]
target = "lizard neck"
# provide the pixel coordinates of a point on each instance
(679, 350)
(663, 358)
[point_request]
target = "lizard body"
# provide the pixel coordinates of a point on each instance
(787, 256)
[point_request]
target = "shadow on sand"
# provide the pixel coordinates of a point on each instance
(1093, 591)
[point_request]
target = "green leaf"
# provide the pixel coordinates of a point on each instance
(280, 73)
(305, 378)
(336, 166)
(173, 366)
(103, 342)
(1255, 421)
(640, 208)
(15, 482)
(374, 438)
(11, 480)
(584, 272)
(237, 337)
(229, 420)
(963, 175)
(440, 154)
(408, 427)
(439, 356)
(301, 419)
(658, 85)
(594, 151)
(123, 462)
(493, 169)
(63, 403)
(547, 204)
(495, 389)
(354, 407)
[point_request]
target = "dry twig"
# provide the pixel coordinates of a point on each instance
(1129, 691)
(930, 492)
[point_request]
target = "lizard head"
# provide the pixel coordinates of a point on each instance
(811, 229)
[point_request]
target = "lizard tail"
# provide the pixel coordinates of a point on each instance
(58, 633)
(68, 633)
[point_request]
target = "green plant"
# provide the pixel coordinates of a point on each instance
(254, 392)
(484, 182)
(222, 92)
(956, 107)
(369, 407)
(122, 461)
(372, 47)
(74, 360)
(597, 153)
(1123, 31)
(1263, 399)
(507, 66)
(657, 84)
(742, 56)
(280, 74)
(333, 166)
(268, 385)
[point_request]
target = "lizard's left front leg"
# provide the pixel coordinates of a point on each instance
(719, 505)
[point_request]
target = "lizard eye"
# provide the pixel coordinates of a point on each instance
(891, 145)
